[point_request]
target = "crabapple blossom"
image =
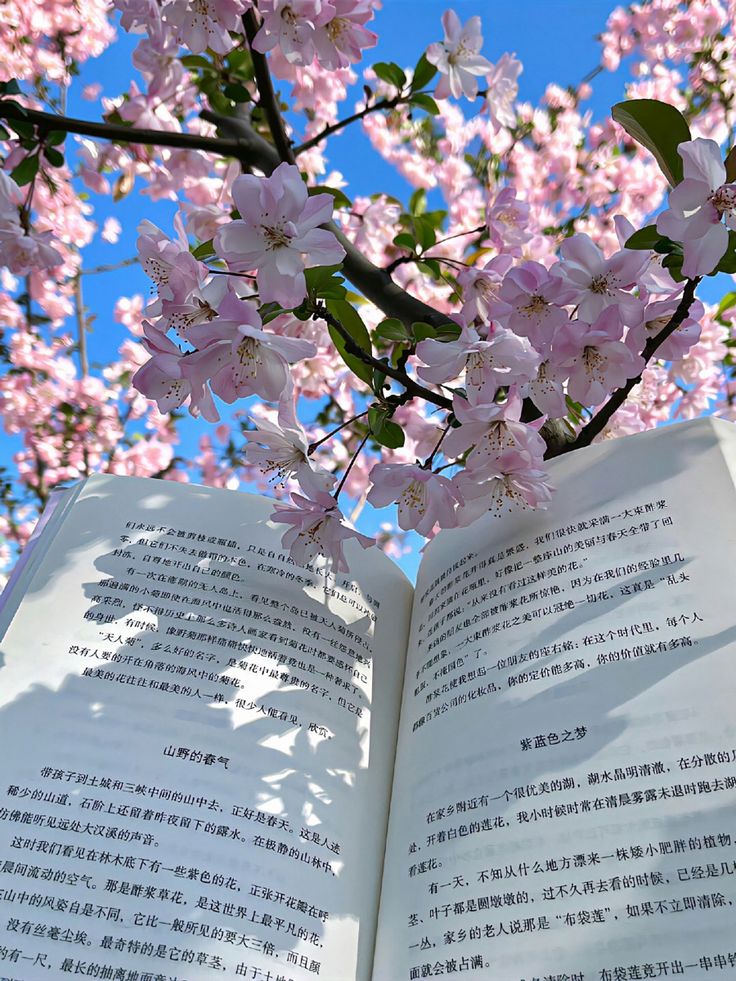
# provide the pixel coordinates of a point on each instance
(593, 282)
(278, 233)
(317, 529)
(503, 87)
(596, 356)
(281, 449)
(500, 359)
(492, 429)
(512, 485)
(202, 24)
(425, 499)
(458, 58)
(251, 361)
(172, 376)
(508, 221)
(697, 206)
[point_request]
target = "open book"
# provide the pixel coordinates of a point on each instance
(217, 764)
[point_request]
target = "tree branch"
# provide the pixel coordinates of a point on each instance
(414, 389)
(342, 123)
(266, 94)
(374, 283)
(596, 425)
(114, 133)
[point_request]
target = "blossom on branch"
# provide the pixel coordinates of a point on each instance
(425, 499)
(277, 234)
(317, 529)
(458, 58)
(697, 206)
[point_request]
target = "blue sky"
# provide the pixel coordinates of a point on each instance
(554, 39)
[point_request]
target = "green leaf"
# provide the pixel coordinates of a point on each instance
(728, 260)
(383, 430)
(56, 137)
(379, 382)
(196, 61)
(645, 238)
(389, 71)
(418, 202)
(341, 199)
(430, 267)
(26, 170)
(392, 436)
(426, 236)
(54, 157)
(447, 332)
(324, 282)
(730, 164)
(405, 241)
(422, 331)
(424, 72)
(392, 330)
(204, 250)
(426, 102)
(237, 92)
(350, 319)
(726, 303)
(657, 126)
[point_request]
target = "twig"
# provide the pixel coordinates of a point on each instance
(350, 465)
(596, 425)
(313, 446)
(342, 123)
(413, 389)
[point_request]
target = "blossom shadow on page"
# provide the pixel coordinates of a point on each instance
(578, 757)
(220, 743)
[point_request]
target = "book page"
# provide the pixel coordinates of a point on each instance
(565, 783)
(197, 746)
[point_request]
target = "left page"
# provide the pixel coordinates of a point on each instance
(197, 745)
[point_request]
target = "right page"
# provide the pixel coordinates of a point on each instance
(564, 791)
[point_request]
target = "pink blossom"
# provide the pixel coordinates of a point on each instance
(547, 391)
(169, 263)
(492, 429)
(339, 41)
(656, 317)
(318, 528)
(278, 234)
(597, 358)
(481, 287)
(458, 57)
(425, 499)
(514, 485)
(281, 449)
(526, 304)
(202, 24)
(503, 87)
(508, 220)
(697, 205)
(501, 360)
(252, 361)
(171, 377)
(91, 93)
(291, 24)
(593, 282)
(111, 229)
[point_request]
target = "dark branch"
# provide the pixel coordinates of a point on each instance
(374, 283)
(342, 123)
(266, 95)
(414, 389)
(596, 425)
(47, 122)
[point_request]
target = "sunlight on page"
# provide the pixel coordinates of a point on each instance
(178, 696)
